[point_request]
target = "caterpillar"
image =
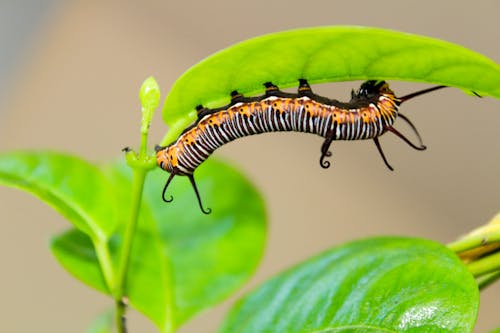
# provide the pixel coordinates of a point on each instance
(371, 112)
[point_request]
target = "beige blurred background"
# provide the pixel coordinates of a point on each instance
(70, 81)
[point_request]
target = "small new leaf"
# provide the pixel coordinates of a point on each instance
(150, 99)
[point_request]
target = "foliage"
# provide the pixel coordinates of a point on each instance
(325, 54)
(373, 285)
(180, 262)
(170, 261)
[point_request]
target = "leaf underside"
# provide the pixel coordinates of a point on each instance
(324, 54)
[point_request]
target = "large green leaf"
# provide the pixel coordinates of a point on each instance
(374, 285)
(182, 261)
(72, 186)
(325, 54)
(211, 255)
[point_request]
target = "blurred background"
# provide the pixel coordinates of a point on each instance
(70, 73)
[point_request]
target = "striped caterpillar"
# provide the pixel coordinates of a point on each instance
(370, 113)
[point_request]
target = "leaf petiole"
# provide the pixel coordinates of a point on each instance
(480, 251)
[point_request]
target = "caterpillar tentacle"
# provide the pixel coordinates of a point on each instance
(172, 174)
(371, 112)
(193, 183)
(324, 164)
(418, 93)
(381, 152)
(407, 120)
(405, 139)
(325, 152)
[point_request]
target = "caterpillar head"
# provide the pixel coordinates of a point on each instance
(371, 90)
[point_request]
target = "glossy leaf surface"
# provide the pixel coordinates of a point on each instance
(373, 285)
(182, 260)
(180, 263)
(211, 255)
(324, 54)
(72, 186)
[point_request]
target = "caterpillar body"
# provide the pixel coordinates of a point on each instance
(371, 112)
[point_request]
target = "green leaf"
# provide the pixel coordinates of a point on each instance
(373, 285)
(324, 54)
(211, 255)
(72, 186)
(182, 260)
(75, 252)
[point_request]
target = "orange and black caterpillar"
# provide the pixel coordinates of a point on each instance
(370, 113)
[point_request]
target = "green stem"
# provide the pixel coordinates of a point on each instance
(486, 265)
(141, 164)
(143, 150)
(485, 280)
(481, 254)
(120, 292)
(471, 242)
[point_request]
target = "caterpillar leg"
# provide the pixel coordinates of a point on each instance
(165, 188)
(305, 89)
(193, 183)
(273, 90)
(236, 97)
(202, 111)
(379, 148)
(325, 152)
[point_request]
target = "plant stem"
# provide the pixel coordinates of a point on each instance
(141, 164)
(480, 252)
(137, 187)
(485, 265)
(485, 280)
(470, 242)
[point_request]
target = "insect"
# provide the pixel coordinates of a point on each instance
(371, 112)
